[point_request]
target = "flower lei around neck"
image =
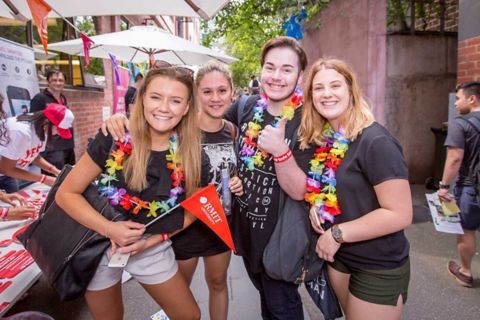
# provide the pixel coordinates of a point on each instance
(119, 196)
(248, 154)
(321, 180)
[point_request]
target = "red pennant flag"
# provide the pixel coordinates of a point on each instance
(206, 206)
(87, 44)
(40, 10)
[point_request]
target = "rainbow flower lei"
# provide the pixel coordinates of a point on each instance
(119, 196)
(321, 180)
(250, 154)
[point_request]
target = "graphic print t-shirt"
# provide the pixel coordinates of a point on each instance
(255, 213)
(218, 152)
(24, 144)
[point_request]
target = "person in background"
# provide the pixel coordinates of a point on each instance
(463, 154)
(358, 181)
(253, 85)
(60, 151)
(29, 135)
(131, 94)
(158, 169)
(19, 209)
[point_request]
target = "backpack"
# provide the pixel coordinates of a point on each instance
(475, 165)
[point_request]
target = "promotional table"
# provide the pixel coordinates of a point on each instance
(18, 272)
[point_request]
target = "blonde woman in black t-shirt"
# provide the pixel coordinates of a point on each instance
(357, 182)
(151, 175)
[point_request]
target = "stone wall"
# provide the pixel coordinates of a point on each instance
(421, 71)
(354, 31)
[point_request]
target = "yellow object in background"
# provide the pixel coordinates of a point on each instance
(450, 208)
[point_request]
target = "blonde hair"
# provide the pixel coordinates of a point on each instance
(357, 117)
(135, 167)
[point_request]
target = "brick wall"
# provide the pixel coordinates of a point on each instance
(469, 60)
(431, 22)
(87, 107)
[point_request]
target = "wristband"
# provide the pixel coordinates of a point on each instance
(165, 236)
(283, 157)
(42, 178)
(4, 213)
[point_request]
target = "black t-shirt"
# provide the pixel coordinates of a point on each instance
(130, 98)
(374, 157)
(159, 181)
(255, 213)
(218, 152)
(39, 102)
(461, 134)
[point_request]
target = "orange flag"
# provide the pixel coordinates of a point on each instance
(206, 206)
(40, 10)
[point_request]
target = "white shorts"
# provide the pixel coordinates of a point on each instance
(152, 266)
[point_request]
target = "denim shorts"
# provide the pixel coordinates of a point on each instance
(152, 266)
(469, 208)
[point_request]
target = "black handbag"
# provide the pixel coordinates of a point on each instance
(323, 295)
(67, 252)
(290, 252)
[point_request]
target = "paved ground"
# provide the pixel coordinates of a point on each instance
(433, 293)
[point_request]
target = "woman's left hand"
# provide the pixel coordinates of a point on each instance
(236, 186)
(327, 247)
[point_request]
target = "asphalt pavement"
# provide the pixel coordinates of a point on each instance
(433, 293)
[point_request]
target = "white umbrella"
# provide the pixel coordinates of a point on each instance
(138, 43)
(40, 54)
(205, 9)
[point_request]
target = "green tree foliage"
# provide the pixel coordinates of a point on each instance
(87, 26)
(242, 28)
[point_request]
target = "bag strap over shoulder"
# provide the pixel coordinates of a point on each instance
(242, 103)
(233, 130)
(474, 121)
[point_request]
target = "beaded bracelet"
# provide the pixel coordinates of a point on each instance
(283, 157)
(3, 213)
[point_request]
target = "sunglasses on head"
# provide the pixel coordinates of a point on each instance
(160, 64)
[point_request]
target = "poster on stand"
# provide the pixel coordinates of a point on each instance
(18, 77)
(120, 90)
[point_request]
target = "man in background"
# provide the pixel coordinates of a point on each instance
(253, 85)
(463, 150)
(132, 93)
(61, 151)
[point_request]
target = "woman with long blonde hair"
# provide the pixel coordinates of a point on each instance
(143, 176)
(362, 190)
(359, 195)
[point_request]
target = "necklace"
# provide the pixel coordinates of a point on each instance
(119, 196)
(321, 180)
(250, 154)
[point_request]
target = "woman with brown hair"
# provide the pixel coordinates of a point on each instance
(150, 175)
